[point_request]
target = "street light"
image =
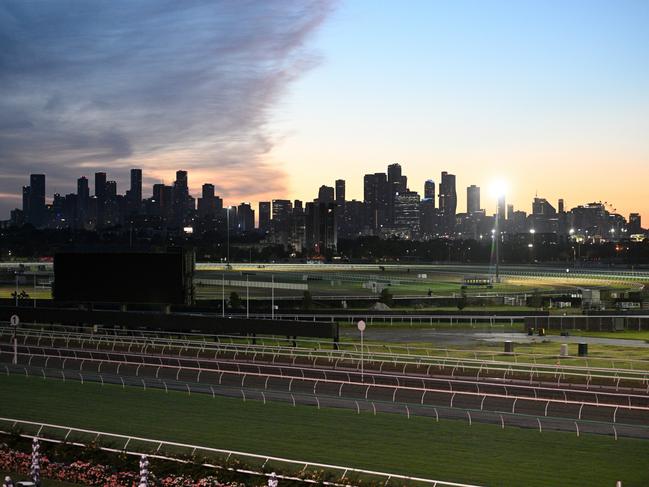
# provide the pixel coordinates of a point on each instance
(228, 225)
(498, 190)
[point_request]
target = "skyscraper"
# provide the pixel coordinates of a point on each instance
(429, 190)
(135, 192)
(245, 218)
(472, 199)
(100, 195)
(502, 209)
(340, 191)
(36, 215)
(448, 200)
(326, 194)
(264, 216)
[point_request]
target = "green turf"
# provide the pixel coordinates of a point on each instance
(448, 450)
(624, 335)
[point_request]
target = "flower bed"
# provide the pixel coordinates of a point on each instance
(88, 473)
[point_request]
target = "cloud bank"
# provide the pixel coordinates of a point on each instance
(156, 84)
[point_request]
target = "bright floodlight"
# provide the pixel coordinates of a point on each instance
(499, 188)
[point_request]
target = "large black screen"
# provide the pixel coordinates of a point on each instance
(123, 277)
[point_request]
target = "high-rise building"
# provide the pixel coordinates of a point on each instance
(326, 194)
(448, 201)
(561, 208)
(472, 199)
(100, 197)
(37, 213)
(340, 191)
(429, 190)
(541, 206)
(135, 191)
(635, 223)
(209, 205)
(245, 218)
(100, 185)
(406, 213)
(376, 195)
(501, 209)
(320, 228)
(264, 216)
(397, 181)
(83, 191)
(181, 200)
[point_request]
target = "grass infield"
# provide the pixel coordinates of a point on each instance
(448, 450)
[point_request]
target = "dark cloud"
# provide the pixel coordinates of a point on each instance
(155, 84)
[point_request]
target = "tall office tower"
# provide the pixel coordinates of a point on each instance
(396, 179)
(100, 185)
(340, 191)
(37, 213)
(472, 199)
(282, 210)
(245, 218)
(429, 190)
(26, 201)
(376, 195)
(502, 209)
(207, 202)
(207, 191)
(635, 223)
(320, 228)
(448, 200)
(83, 191)
(281, 221)
(325, 194)
(135, 193)
(561, 206)
(297, 206)
(510, 212)
(82, 202)
(406, 209)
(264, 216)
(100, 195)
(181, 197)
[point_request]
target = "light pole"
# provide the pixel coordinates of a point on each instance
(532, 232)
(272, 296)
(228, 231)
(223, 295)
(247, 296)
(498, 189)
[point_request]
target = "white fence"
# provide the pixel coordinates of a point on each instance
(63, 433)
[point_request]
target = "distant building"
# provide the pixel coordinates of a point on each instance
(340, 191)
(472, 199)
(264, 216)
(326, 194)
(448, 201)
(429, 190)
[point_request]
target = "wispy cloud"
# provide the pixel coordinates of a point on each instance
(156, 84)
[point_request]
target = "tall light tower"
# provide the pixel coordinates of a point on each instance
(498, 190)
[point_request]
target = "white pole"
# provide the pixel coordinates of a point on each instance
(223, 295)
(228, 225)
(362, 359)
(16, 289)
(272, 296)
(247, 297)
(14, 361)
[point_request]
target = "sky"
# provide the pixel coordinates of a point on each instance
(273, 99)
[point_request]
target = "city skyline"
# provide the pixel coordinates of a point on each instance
(469, 199)
(549, 97)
